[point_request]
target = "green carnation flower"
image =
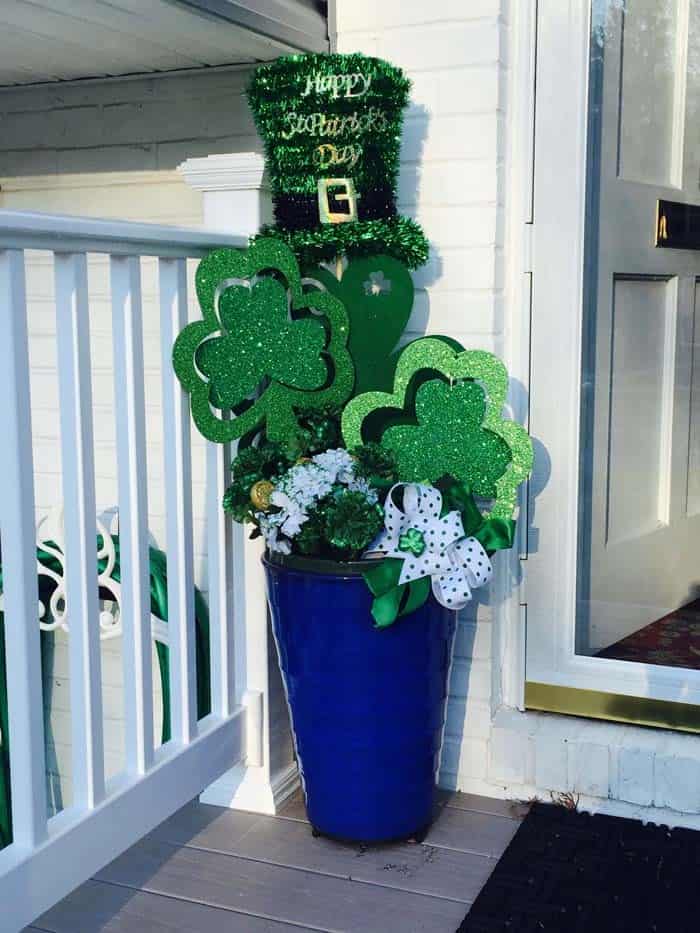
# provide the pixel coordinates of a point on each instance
(351, 522)
(375, 462)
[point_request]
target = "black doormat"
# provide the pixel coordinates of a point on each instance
(569, 872)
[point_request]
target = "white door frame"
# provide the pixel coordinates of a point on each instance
(555, 401)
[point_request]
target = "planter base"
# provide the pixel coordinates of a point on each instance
(367, 705)
(416, 837)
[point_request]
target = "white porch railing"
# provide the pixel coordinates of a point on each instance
(48, 857)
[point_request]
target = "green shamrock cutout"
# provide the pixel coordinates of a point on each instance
(467, 435)
(256, 324)
(246, 343)
(449, 438)
(377, 292)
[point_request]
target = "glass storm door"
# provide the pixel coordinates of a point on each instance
(623, 620)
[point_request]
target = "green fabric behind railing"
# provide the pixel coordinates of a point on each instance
(159, 608)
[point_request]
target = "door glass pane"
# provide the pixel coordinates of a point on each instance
(639, 377)
(651, 92)
(694, 454)
(639, 522)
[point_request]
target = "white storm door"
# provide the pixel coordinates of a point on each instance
(642, 558)
(615, 392)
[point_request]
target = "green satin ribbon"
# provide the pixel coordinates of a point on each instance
(494, 534)
(159, 608)
(393, 599)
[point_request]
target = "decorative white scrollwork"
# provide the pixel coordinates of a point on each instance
(50, 539)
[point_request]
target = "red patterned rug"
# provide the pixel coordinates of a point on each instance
(673, 640)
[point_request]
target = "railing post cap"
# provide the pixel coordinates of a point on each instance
(234, 171)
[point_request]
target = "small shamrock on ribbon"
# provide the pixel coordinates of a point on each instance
(413, 541)
(449, 438)
(425, 548)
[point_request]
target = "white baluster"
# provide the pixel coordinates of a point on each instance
(129, 406)
(22, 649)
(81, 600)
(219, 539)
(178, 507)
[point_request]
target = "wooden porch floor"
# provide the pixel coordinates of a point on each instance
(210, 870)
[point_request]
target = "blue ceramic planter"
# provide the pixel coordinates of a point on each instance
(367, 705)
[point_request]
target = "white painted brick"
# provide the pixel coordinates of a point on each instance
(473, 640)
(590, 768)
(448, 183)
(355, 15)
(472, 89)
(468, 716)
(433, 45)
(460, 136)
(467, 757)
(551, 763)
(447, 269)
(459, 226)
(478, 609)
(508, 756)
(677, 783)
(471, 678)
(476, 314)
(492, 343)
(635, 775)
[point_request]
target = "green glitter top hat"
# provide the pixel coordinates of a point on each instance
(331, 128)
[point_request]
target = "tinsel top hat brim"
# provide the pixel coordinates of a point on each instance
(331, 129)
(396, 236)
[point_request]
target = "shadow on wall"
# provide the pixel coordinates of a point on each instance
(470, 689)
(416, 126)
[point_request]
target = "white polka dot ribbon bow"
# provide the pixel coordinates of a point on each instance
(431, 546)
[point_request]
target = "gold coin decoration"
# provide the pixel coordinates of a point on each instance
(261, 493)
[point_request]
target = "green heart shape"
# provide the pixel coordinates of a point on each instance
(377, 292)
(275, 408)
(440, 356)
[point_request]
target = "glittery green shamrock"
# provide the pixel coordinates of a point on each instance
(459, 427)
(256, 327)
(266, 347)
(449, 438)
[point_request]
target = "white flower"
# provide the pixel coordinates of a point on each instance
(269, 526)
(292, 515)
(362, 485)
(298, 492)
(306, 483)
(338, 464)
